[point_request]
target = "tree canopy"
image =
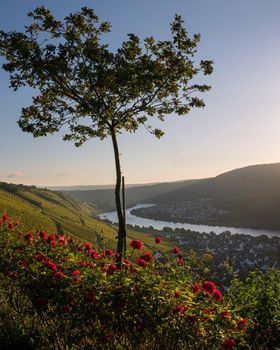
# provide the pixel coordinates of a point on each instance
(78, 76)
(95, 91)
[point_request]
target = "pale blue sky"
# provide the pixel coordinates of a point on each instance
(239, 126)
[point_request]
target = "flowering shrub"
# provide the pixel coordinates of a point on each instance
(259, 301)
(66, 294)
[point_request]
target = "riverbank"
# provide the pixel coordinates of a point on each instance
(161, 224)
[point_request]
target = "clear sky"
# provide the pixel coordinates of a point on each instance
(241, 122)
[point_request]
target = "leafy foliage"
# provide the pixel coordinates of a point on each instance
(61, 294)
(78, 76)
(260, 303)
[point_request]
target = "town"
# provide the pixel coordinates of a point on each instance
(201, 210)
(225, 255)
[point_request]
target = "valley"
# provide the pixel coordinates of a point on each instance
(246, 197)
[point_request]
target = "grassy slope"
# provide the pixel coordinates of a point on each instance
(20, 210)
(49, 210)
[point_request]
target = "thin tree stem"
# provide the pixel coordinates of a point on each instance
(121, 233)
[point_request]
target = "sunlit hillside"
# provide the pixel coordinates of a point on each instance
(53, 211)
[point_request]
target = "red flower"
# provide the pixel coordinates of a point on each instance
(76, 280)
(94, 254)
(23, 262)
(242, 323)
(10, 225)
(112, 268)
(147, 256)
(1, 222)
(157, 240)
(43, 235)
(208, 311)
(177, 295)
(75, 273)
(178, 309)
(40, 257)
(224, 314)
(196, 288)
(142, 262)
(62, 240)
(228, 343)
(51, 237)
(53, 243)
(89, 297)
(180, 262)
(132, 269)
(50, 265)
(135, 244)
(217, 295)
(109, 252)
(5, 218)
(88, 247)
(127, 262)
(209, 287)
(41, 302)
(29, 236)
(59, 275)
(175, 250)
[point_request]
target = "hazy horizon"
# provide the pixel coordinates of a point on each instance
(130, 184)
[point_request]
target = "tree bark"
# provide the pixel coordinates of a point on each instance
(124, 218)
(121, 233)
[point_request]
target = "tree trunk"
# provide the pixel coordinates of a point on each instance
(121, 233)
(124, 218)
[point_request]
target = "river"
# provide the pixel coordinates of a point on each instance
(159, 224)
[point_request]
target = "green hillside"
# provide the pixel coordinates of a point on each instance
(104, 198)
(22, 211)
(40, 208)
(54, 211)
(251, 195)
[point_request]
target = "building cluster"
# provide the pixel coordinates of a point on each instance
(231, 253)
(201, 210)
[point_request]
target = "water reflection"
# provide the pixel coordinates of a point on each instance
(159, 224)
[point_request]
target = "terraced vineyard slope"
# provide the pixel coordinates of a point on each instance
(54, 211)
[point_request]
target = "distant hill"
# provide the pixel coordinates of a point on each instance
(251, 195)
(105, 200)
(88, 187)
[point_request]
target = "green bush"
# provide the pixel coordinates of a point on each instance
(258, 299)
(61, 294)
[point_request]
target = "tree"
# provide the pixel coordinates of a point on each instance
(97, 92)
